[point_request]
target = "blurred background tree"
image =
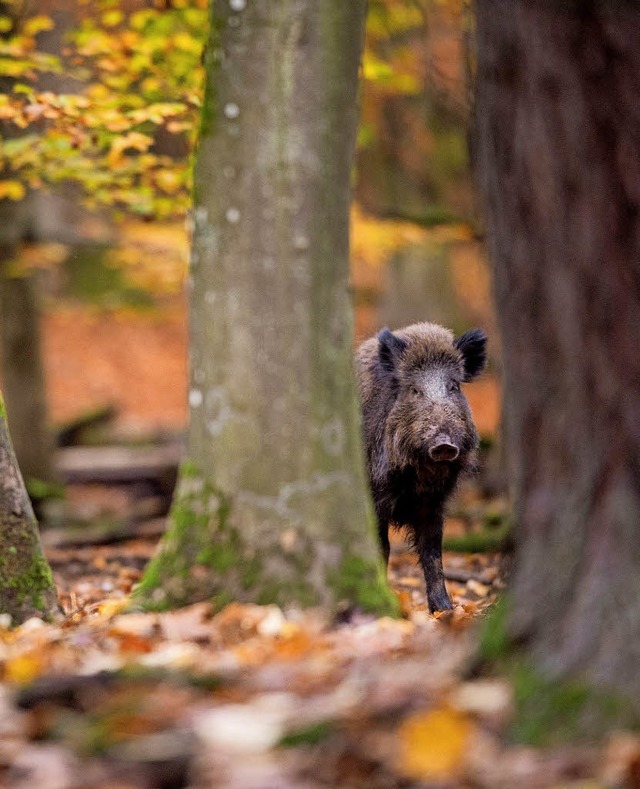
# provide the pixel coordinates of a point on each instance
(557, 133)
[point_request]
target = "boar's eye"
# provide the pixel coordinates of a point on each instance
(454, 387)
(414, 391)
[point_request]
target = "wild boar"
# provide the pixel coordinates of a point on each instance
(418, 432)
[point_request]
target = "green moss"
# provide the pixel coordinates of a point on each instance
(222, 599)
(250, 573)
(3, 410)
(211, 64)
(189, 469)
(552, 712)
(361, 582)
(219, 557)
(283, 592)
(24, 592)
(489, 540)
(40, 489)
(198, 535)
(308, 735)
(494, 640)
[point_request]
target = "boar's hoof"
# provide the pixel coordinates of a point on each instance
(444, 451)
(440, 603)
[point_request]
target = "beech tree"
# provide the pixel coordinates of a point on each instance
(557, 147)
(272, 504)
(26, 584)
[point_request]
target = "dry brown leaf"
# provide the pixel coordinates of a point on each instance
(479, 589)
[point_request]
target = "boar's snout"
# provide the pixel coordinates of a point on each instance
(443, 449)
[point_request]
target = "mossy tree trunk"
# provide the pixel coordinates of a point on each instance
(557, 145)
(272, 505)
(26, 584)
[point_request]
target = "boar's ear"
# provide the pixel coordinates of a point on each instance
(391, 349)
(472, 346)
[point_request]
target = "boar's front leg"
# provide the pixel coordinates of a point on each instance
(383, 533)
(428, 544)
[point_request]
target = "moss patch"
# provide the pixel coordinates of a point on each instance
(309, 735)
(26, 582)
(362, 583)
(196, 549)
(552, 712)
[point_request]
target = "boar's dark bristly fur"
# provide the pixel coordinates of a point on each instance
(418, 433)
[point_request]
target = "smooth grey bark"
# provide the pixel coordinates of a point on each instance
(557, 146)
(26, 584)
(273, 505)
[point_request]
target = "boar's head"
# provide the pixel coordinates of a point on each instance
(429, 425)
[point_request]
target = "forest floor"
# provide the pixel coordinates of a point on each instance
(249, 697)
(254, 697)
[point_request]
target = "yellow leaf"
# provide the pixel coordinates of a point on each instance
(168, 180)
(432, 744)
(112, 18)
(23, 669)
(109, 608)
(13, 190)
(135, 140)
(37, 24)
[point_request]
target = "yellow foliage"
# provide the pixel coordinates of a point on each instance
(13, 190)
(37, 24)
(373, 240)
(432, 744)
(136, 140)
(24, 668)
(154, 258)
(111, 607)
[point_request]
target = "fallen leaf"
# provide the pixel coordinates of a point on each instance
(432, 744)
(479, 589)
(23, 668)
(487, 697)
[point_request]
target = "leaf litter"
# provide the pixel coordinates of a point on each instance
(256, 697)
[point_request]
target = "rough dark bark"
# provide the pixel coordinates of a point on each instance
(26, 584)
(273, 504)
(557, 147)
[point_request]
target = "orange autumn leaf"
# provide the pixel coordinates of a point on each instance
(432, 744)
(23, 669)
(111, 607)
(13, 190)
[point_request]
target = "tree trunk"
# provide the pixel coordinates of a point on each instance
(273, 505)
(23, 376)
(558, 155)
(26, 585)
(22, 371)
